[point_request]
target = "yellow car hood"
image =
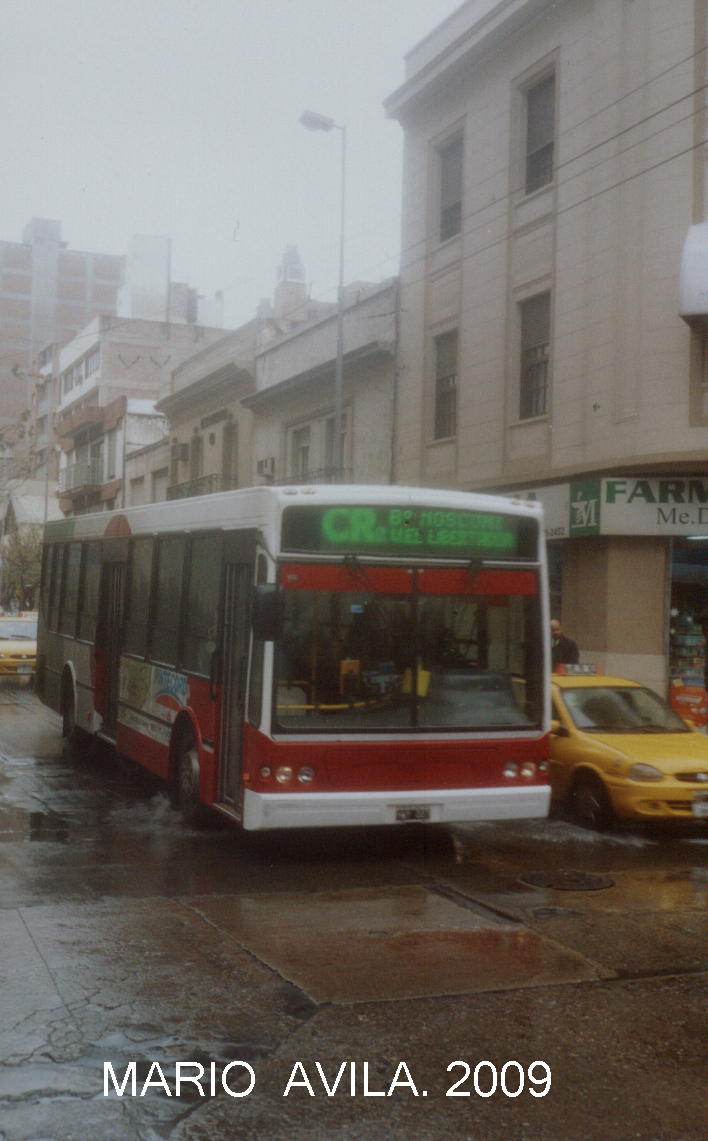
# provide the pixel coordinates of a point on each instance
(670, 752)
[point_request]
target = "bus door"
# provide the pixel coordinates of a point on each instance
(234, 646)
(109, 641)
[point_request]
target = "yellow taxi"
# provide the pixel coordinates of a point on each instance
(18, 645)
(618, 751)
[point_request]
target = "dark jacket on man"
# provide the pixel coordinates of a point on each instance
(564, 651)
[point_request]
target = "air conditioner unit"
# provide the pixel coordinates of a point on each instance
(266, 466)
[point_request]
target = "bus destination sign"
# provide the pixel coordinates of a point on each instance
(401, 531)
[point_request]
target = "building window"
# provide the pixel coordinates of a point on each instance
(111, 454)
(450, 174)
(540, 132)
(329, 449)
(535, 344)
(196, 457)
(300, 442)
(160, 482)
(93, 362)
(445, 419)
(229, 453)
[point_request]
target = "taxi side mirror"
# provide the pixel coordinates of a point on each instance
(558, 729)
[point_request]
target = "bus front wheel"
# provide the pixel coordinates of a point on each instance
(188, 779)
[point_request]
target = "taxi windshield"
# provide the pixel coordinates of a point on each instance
(621, 709)
(24, 628)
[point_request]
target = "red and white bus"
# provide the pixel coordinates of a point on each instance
(310, 656)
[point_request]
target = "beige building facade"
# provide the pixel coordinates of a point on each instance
(554, 186)
(209, 429)
(293, 404)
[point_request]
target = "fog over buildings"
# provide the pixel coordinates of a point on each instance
(180, 119)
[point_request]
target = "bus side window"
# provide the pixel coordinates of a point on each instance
(55, 577)
(200, 621)
(168, 601)
(138, 594)
(88, 595)
(72, 567)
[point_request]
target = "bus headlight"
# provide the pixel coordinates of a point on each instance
(306, 774)
(265, 771)
(510, 770)
(284, 774)
(528, 769)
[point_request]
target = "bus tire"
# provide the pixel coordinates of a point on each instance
(187, 775)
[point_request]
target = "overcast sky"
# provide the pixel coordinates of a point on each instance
(180, 117)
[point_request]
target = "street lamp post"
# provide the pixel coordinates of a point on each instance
(313, 121)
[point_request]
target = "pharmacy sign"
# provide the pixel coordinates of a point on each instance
(624, 505)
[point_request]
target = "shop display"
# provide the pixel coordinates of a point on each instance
(687, 667)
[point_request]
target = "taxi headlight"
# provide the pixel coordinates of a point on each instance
(645, 772)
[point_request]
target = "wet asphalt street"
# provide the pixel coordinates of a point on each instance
(385, 964)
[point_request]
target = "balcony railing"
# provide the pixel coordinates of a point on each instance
(203, 485)
(86, 474)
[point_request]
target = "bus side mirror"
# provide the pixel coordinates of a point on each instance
(266, 612)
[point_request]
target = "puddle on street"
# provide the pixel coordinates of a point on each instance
(19, 824)
(366, 945)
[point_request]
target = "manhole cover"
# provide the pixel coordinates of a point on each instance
(567, 880)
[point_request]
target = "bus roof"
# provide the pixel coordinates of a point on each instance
(261, 507)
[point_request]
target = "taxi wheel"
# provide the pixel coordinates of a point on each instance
(589, 803)
(187, 773)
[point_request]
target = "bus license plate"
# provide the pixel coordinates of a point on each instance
(700, 805)
(412, 812)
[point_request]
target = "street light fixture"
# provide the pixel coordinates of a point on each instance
(313, 121)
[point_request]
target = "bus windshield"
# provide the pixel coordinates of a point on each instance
(363, 661)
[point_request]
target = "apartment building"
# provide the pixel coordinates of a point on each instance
(108, 381)
(48, 292)
(554, 297)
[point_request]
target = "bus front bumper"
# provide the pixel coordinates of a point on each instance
(434, 806)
